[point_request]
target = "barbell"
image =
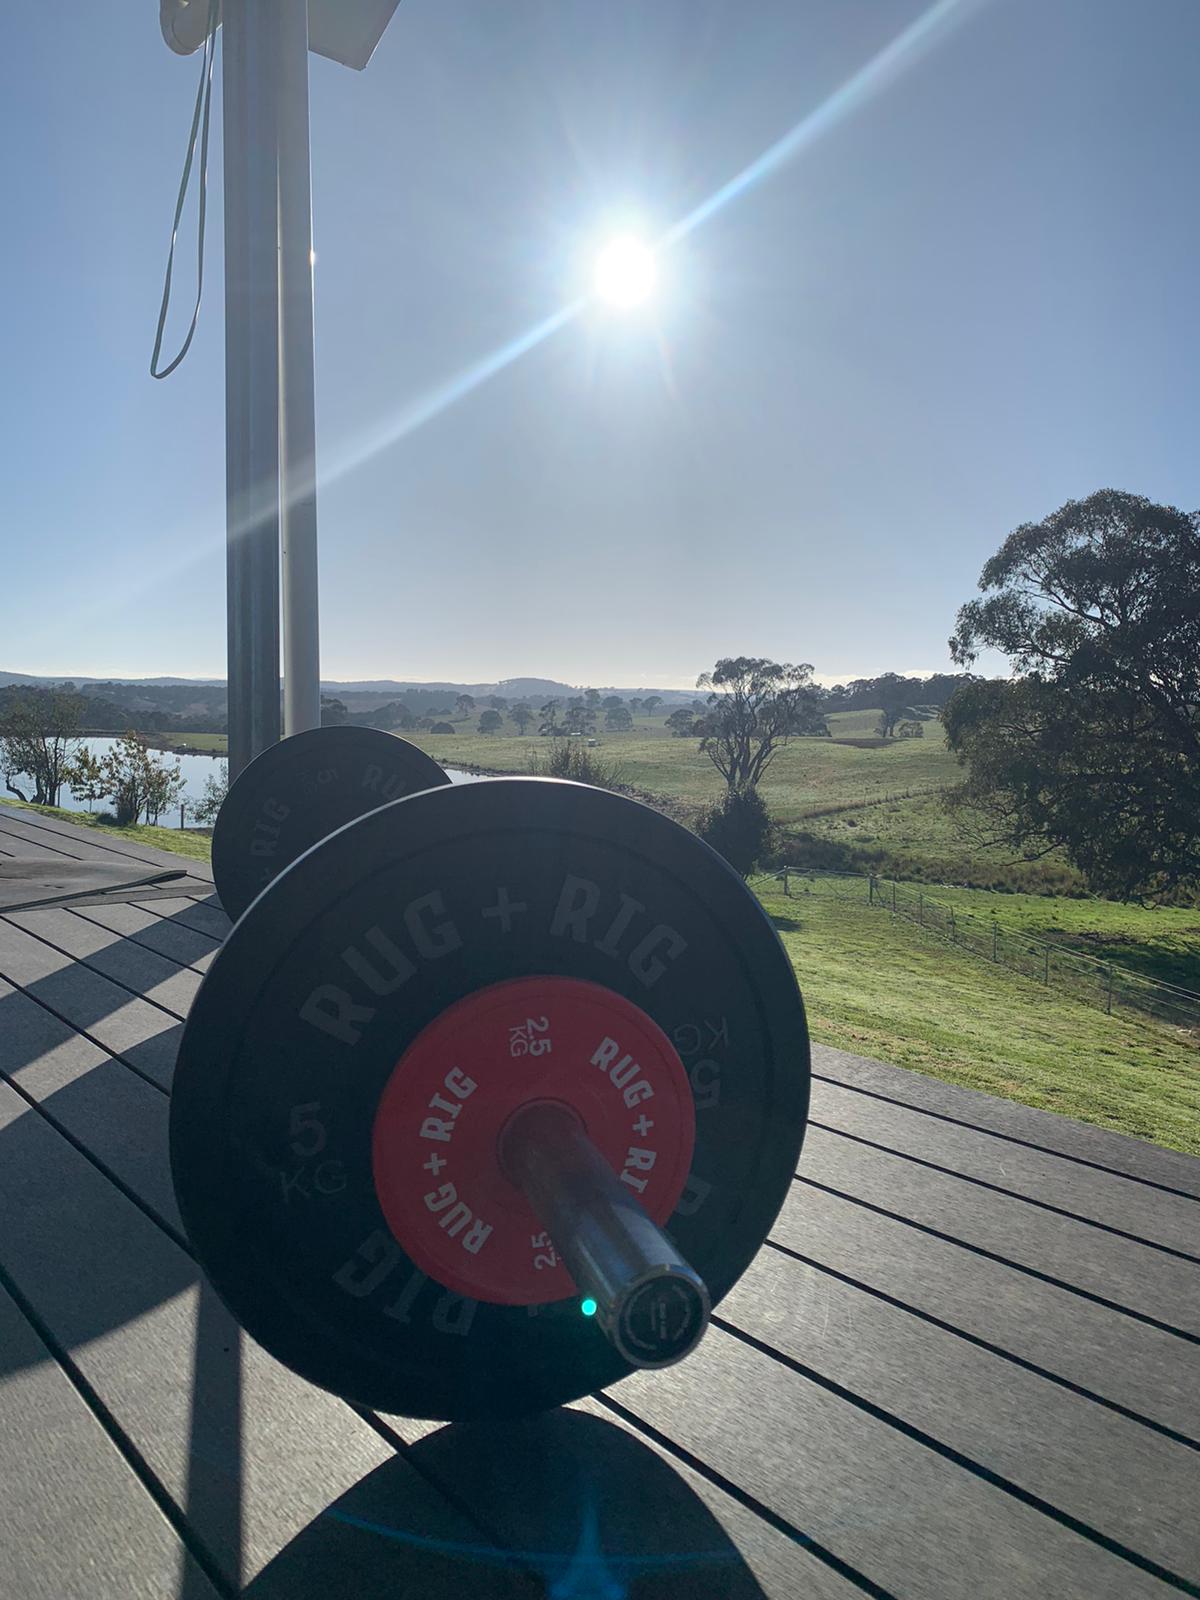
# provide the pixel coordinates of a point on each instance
(488, 1098)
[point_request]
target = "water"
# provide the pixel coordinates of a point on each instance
(195, 770)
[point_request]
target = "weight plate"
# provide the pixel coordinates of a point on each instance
(435, 1146)
(301, 789)
(325, 984)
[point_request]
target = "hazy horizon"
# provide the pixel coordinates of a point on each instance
(826, 680)
(927, 276)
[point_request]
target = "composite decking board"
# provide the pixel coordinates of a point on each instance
(1009, 1421)
(141, 1034)
(118, 1118)
(76, 1523)
(1022, 1125)
(203, 914)
(658, 1528)
(142, 971)
(83, 844)
(1139, 1367)
(1136, 1277)
(784, 1566)
(912, 1521)
(1102, 1197)
(249, 1453)
(176, 940)
(45, 846)
(72, 836)
(31, 848)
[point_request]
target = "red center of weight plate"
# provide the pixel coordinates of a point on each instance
(434, 1147)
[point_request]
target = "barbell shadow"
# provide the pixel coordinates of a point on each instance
(578, 1509)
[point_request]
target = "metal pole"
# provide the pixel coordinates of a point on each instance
(297, 421)
(250, 92)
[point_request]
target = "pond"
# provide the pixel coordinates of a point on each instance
(195, 769)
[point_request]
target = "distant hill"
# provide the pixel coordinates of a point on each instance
(536, 689)
(8, 679)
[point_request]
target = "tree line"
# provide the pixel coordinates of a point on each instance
(42, 751)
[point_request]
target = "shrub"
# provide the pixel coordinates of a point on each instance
(739, 828)
(571, 758)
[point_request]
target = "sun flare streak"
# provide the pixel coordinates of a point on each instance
(928, 30)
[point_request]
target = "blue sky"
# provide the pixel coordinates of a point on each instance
(963, 293)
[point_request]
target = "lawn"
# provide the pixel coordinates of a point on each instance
(882, 988)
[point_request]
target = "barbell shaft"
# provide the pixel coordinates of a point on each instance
(650, 1303)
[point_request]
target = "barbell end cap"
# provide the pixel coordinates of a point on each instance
(660, 1318)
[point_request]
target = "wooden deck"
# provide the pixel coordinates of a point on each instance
(965, 1364)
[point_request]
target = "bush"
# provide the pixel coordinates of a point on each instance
(106, 819)
(739, 827)
(216, 787)
(571, 758)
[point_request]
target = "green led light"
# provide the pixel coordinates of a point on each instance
(588, 1307)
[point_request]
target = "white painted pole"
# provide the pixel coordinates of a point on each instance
(250, 92)
(297, 420)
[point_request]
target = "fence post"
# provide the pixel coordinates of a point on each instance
(995, 957)
(1108, 1001)
(1046, 967)
(893, 897)
(182, 809)
(953, 928)
(921, 907)
(786, 891)
(870, 888)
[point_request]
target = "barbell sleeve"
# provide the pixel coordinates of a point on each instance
(652, 1305)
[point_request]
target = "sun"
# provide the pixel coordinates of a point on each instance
(625, 273)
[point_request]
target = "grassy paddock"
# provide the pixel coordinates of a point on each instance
(842, 807)
(1160, 942)
(197, 846)
(882, 988)
(215, 744)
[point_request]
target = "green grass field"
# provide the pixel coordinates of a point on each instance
(880, 987)
(842, 807)
(1162, 942)
(209, 743)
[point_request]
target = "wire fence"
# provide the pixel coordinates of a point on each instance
(1107, 985)
(870, 798)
